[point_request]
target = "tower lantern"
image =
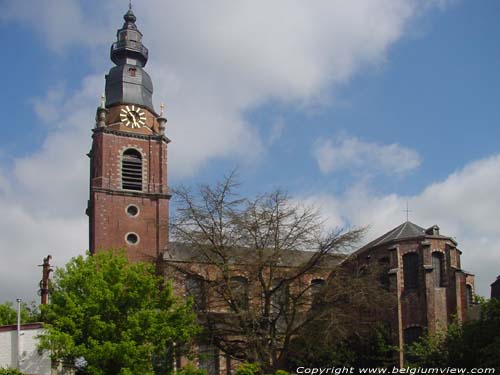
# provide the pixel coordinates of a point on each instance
(128, 82)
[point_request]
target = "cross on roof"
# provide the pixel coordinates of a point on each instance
(407, 212)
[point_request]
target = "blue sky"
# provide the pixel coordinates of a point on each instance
(356, 107)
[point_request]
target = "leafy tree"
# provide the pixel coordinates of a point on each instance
(8, 313)
(474, 343)
(262, 253)
(114, 317)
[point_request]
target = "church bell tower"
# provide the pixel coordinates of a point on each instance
(129, 197)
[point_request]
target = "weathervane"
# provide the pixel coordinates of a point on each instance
(407, 212)
(130, 4)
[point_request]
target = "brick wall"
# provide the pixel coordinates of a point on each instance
(109, 221)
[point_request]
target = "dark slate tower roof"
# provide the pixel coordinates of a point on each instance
(128, 82)
(405, 231)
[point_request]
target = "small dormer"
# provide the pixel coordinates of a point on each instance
(432, 231)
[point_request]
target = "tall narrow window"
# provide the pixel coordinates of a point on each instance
(412, 335)
(438, 269)
(279, 299)
(410, 270)
(195, 287)
(132, 170)
(384, 263)
(238, 286)
(470, 295)
(316, 293)
(209, 359)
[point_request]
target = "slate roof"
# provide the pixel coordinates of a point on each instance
(184, 252)
(405, 231)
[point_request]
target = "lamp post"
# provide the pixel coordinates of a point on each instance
(18, 333)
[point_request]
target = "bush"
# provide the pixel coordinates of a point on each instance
(254, 369)
(190, 369)
(10, 371)
(248, 369)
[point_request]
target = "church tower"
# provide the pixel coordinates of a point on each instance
(129, 197)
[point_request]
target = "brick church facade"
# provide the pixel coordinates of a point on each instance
(128, 208)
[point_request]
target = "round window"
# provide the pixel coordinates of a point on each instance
(132, 210)
(132, 238)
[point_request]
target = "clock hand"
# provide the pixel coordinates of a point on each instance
(134, 121)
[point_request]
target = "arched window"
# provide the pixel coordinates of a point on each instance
(470, 295)
(412, 335)
(316, 293)
(195, 287)
(438, 269)
(411, 270)
(132, 170)
(238, 286)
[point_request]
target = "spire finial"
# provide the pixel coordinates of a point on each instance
(130, 17)
(162, 109)
(407, 212)
(103, 100)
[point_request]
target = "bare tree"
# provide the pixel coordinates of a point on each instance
(263, 263)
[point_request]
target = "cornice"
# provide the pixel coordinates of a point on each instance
(156, 137)
(131, 193)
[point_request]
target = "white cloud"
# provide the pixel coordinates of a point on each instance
(464, 205)
(210, 64)
(350, 153)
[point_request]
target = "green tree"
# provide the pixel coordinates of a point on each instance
(475, 343)
(8, 313)
(114, 317)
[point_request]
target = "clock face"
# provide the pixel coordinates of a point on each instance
(133, 117)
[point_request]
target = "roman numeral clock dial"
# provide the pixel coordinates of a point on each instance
(133, 117)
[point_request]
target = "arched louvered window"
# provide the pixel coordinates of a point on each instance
(132, 170)
(195, 287)
(438, 269)
(411, 270)
(238, 286)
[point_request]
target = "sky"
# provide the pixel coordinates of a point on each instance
(357, 107)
